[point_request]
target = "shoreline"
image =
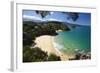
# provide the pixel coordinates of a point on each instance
(64, 57)
(46, 43)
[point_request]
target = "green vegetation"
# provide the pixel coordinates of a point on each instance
(34, 54)
(43, 28)
(37, 55)
(31, 30)
(53, 57)
(81, 56)
(58, 26)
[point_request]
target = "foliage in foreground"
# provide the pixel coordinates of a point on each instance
(37, 55)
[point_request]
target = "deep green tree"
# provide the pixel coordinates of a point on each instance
(34, 55)
(53, 57)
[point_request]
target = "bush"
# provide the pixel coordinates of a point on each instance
(34, 55)
(53, 57)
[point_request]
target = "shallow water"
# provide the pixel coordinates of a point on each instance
(78, 38)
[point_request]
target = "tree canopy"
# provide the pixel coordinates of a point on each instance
(43, 13)
(37, 55)
(72, 15)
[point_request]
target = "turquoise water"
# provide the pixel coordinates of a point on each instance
(78, 38)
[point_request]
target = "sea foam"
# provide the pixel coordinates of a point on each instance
(58, 46)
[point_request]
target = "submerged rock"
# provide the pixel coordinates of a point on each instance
(81, 55)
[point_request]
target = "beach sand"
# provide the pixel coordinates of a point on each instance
(45, 43)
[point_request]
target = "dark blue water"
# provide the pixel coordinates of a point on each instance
(78, 38)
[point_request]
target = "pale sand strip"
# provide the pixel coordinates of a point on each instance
(63, 56)
(46, 44)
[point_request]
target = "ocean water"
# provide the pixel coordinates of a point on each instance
(78, 38)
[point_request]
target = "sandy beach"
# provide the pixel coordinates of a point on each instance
(45, 43)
